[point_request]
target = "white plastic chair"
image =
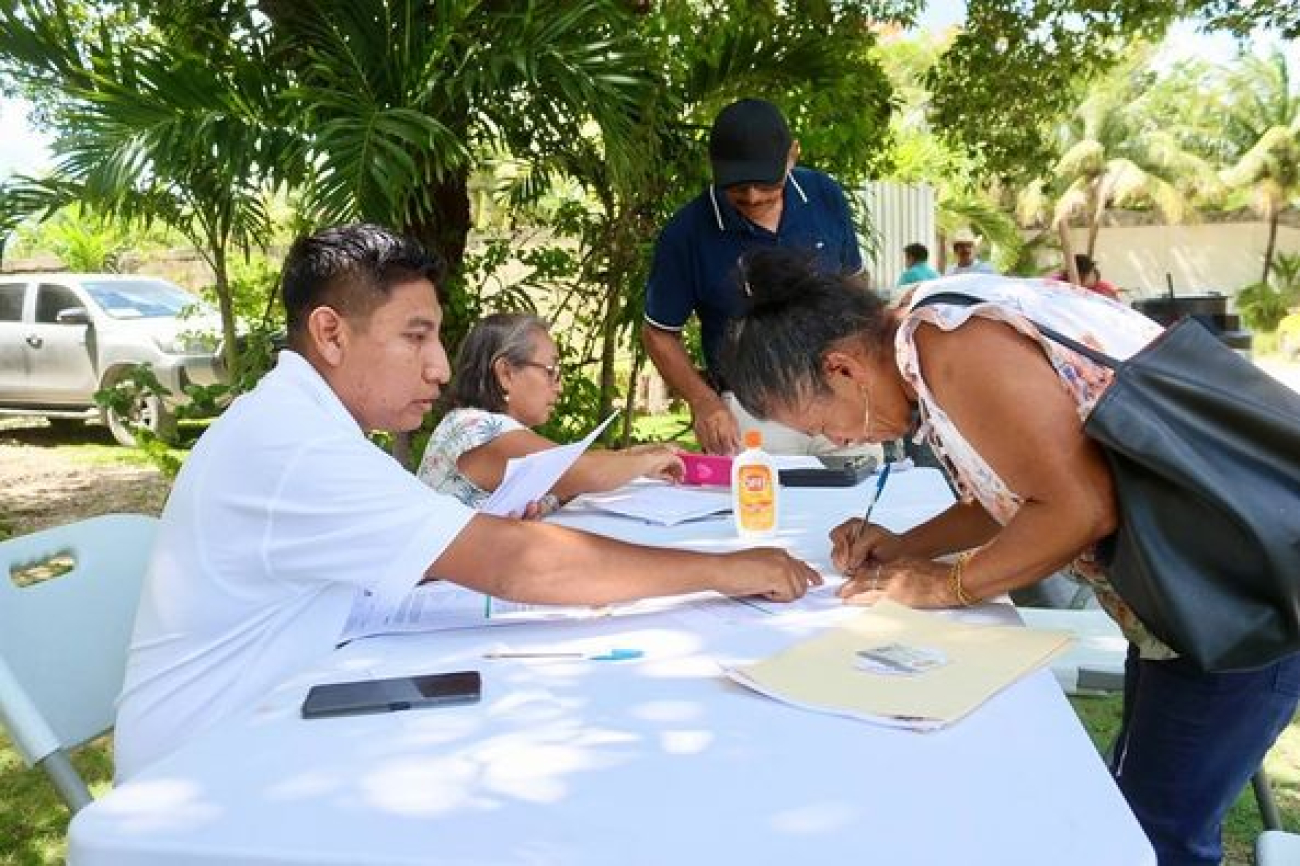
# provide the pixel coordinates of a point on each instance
(1277, 848)
(63, 641)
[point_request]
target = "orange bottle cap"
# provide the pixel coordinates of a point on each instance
(753, 439)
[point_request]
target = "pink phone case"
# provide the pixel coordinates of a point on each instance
(706, 468)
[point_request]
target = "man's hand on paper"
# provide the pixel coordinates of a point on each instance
(715, 427)
(766, 571)
(917, 583)
(855, 547)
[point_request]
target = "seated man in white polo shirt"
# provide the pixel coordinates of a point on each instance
(285, 510)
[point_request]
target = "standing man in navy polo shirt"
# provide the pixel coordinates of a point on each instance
(758, 199)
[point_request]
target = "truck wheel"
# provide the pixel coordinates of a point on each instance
(147, 412)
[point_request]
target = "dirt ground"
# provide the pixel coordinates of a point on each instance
(50, 477)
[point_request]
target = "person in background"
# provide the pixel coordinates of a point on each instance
(508, 379)
(917, 259)
(759, 198)
(1089, 277)
(964, 243)
(1003, 407)
(285, 512)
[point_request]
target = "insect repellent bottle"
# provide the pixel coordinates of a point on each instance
(755, 486)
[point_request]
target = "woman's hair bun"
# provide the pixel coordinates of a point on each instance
(772, 277)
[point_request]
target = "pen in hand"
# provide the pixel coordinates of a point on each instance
(875, 497)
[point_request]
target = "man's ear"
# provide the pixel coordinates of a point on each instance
(329, 334)
(793, 158)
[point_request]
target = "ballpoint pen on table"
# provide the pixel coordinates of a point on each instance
(875, 497)
(614, 655)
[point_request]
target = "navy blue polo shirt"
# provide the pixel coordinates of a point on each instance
(695, 261)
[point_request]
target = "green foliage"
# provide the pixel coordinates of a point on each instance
(1045, 54)
(1264, 304)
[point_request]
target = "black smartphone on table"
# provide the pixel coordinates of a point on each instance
(392, 695)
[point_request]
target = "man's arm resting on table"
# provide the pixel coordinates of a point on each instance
(715, 426)
(546, 564)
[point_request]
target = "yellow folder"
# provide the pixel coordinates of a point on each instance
(826, 673)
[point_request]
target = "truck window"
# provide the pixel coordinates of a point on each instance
(50, 300)
(11, 301)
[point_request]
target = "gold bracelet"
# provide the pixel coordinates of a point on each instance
(954, 580)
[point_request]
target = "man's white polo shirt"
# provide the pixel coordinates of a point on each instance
(283, 512)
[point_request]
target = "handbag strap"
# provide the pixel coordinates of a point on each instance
(963, 300)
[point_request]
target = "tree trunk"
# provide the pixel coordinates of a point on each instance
(1270, 248)
(638, 364)
(446, 232)
(230, 340)
(1067, 251)
(1097, 211)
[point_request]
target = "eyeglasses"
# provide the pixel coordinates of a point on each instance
(553, 371)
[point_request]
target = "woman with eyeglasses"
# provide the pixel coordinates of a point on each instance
(507, 380)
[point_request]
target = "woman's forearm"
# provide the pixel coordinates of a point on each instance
(961, 527)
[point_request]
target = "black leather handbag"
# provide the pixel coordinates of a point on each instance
(1205, 451)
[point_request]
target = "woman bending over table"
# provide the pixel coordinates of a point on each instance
(1003, 406)
(506, 380)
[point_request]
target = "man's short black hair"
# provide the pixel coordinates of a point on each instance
(352, 269)
(916, 252)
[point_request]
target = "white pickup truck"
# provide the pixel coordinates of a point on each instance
(65, 336)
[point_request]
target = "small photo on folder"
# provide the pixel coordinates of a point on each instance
(824, 673)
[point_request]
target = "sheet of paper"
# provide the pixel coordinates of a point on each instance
(529, 478)
(439, 606)
(822, 673)
(659, 502)
(442, 606)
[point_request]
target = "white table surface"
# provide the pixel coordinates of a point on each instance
(655, 761)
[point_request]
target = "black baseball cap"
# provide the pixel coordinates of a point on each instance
(750, 143)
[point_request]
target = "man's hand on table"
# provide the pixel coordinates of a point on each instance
(767, 571)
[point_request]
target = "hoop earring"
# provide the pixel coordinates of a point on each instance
(866, 412)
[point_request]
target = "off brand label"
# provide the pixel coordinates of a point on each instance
(757, 502)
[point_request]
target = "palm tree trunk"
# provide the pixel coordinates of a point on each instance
(1270, 248)
(446, 231)
(230, 344)
(1096, 212)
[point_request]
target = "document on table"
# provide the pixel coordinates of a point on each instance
(529, 478)
(659, 502)
(442, 606)
(895, 666)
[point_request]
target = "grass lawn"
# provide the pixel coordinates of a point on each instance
(33, 821)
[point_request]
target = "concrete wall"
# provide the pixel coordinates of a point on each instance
(1201, 258)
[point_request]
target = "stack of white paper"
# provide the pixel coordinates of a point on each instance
(659, 502)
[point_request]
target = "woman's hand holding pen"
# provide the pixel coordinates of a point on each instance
(919, 583)
(856, 546)
(876, 565)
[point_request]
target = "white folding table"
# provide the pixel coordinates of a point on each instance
(659, 760)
